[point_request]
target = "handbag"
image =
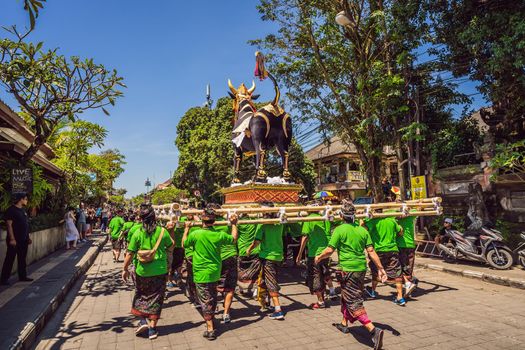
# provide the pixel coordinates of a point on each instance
(147, 256)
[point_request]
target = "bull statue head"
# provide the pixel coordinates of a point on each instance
(242, 93)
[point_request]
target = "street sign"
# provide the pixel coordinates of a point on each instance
(419, 187)
(22, 180)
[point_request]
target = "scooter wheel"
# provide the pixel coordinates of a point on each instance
(503, 262)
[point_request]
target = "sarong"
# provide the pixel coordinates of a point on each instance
(149, 296)
(117, 243)
(177, 258)
(248, 271)
(268, 279)
(390, 262)
(352, 288)
(190, 285)
(407, 257)
(207, 295)
(228, 280)
(317, 275)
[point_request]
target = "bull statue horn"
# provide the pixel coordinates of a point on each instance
(231, 87)
(250, 90)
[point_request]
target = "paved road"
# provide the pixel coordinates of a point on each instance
(449, 312)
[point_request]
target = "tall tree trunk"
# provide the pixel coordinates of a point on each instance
(31, 151)
(401, 166)
(372, 165)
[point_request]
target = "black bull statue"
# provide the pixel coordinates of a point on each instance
(258, 131)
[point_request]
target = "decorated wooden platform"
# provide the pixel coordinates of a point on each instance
(256, 193)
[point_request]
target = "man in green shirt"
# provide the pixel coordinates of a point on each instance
(246, 279)
(188, 255)
(228, 280)
(150, 284)
(351, 241)
(384, 233)
(270, 239)
(316, 234)
(137, 224)
(407, 252)
(207, 243)
(177, 255)
(129, 221)
(115, 227)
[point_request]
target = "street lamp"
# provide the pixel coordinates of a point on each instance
(147, 183)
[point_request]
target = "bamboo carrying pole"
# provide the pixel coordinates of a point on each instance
(305, 219)
(412, 204)
(292, 214)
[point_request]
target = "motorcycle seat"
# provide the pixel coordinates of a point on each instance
(471, 234)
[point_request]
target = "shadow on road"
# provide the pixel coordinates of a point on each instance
(74, 329)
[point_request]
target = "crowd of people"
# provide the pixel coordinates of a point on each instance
(220, 260)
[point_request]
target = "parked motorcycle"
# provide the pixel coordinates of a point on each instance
(520, 251)
(485, 245)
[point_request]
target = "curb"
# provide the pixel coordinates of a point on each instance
(502, 281)
(29, 333)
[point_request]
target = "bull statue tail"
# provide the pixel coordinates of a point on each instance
(262, 73)
(277, 97)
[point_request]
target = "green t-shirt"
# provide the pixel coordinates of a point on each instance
(179, 232)
(188, 250)
(115, 226)
(127, 226)
(318, 233)
(141, 240)
(207, 243)
(383, 232)
(271, 238)
(294, 229)
(350, 240)
(246, 238)
(227, 250)
(408, 238)
(132, 230)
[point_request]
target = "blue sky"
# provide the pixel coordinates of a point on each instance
(167, 51)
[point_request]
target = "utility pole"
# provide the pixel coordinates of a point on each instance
(209, 101)
(419, 118)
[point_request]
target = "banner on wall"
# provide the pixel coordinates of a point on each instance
(419, 187)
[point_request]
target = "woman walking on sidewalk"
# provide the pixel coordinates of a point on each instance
(149, 244)
(71, 230)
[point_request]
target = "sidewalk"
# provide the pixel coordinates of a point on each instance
(28, 306)
(515, 277)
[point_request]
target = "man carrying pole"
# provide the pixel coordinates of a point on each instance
(207, 243)
(351, 240)
(384, 232)
(316, 234)
(270, 238)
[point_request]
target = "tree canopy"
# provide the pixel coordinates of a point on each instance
(51, 88)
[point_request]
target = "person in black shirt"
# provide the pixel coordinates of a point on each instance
(442, 236)
(17, 239)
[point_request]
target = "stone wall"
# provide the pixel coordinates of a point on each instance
(45, 242)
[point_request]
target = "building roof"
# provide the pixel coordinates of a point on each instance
(17, 137)
(336, 146)
(164, 184)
